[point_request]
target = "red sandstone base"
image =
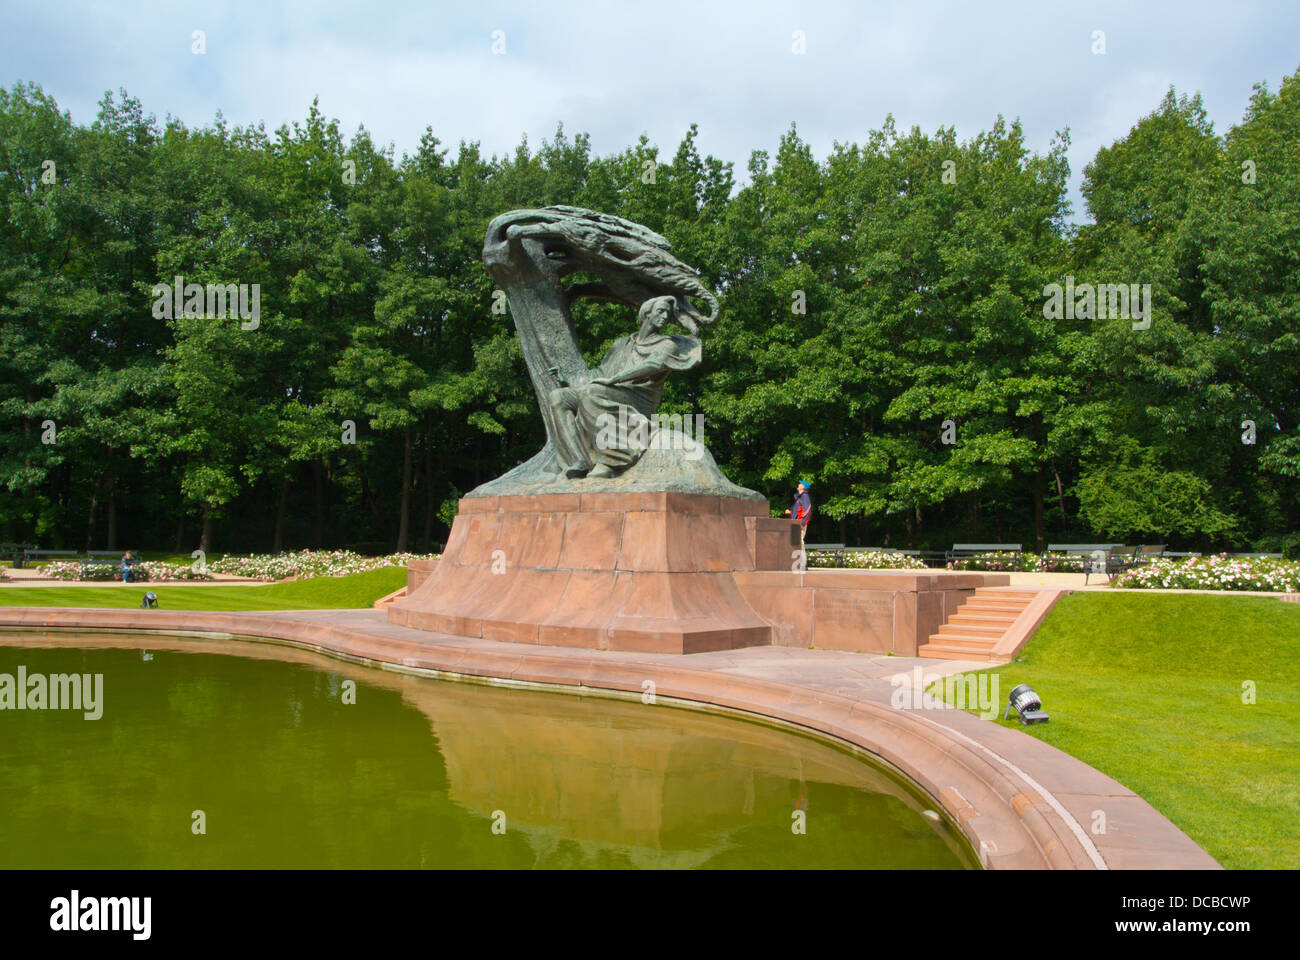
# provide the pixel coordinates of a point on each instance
(637, 571)
(663, 573)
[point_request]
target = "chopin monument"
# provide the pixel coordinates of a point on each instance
(599, 435)
(621, 533)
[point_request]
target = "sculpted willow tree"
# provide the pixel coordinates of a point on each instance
(600, 426)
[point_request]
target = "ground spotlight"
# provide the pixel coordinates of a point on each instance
(1027, 704)
(150, 601)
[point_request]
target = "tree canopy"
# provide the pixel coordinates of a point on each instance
(884, 328)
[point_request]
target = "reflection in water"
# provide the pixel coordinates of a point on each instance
(414, 773)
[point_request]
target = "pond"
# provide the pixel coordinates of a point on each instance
(229, 754)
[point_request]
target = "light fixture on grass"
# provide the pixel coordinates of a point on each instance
(150, 601)
(1027, 704)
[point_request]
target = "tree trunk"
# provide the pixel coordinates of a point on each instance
(404, 527)
(1039, 539)
(1060, 492)
(94, 506)
(205, 538)
(430, 503)
(318, 478)
(278, 542)
(112, 513)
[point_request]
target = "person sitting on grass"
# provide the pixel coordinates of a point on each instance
(128, 574)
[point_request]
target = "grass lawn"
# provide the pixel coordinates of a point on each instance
(1148, 689)
(357, 590)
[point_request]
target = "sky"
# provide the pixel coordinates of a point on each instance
(492, 72)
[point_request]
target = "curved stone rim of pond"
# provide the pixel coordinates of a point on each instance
(1020, 803)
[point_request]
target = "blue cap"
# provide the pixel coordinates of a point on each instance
(807, 484)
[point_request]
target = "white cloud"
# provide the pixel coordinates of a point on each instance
(616, 71)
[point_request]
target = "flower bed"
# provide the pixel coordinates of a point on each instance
(304, 564)
(864, 560)
(1218, 572)
(1021, 562)
(141, 572)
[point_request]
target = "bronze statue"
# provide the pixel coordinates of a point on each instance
(602, 426)
(598, 422)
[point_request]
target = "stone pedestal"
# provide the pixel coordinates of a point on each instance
(610, 571)
(867, 611)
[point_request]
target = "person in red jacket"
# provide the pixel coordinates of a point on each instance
(801, 509)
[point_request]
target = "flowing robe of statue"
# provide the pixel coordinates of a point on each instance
(609, 423)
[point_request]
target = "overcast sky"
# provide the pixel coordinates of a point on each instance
(616, 70)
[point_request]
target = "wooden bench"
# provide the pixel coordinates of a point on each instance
(30, 555)
(1122, 558)
(829, 547)
(113, 558)
(975, 549)
(1074, 548)
(1097, 552)
(1145, 554)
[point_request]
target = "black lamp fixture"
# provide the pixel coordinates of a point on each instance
(150, 601)
(1027, 704)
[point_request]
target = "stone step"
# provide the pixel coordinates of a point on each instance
(1003, 623)
(992, 634)
(964, 639)
(992, 604)
(943, 651)
(1005, 592)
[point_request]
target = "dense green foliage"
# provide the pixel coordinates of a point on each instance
(867, 299)
(1178, 698)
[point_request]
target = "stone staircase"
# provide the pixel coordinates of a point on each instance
(992, 625)
(385, 600)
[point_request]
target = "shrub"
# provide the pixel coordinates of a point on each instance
(305, 564)
(1020, 562)
(1218, 572)
(864, 560)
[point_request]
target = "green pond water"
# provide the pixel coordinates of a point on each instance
(416, 773)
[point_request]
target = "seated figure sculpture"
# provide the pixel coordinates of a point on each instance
(598, 432)
(602, 426)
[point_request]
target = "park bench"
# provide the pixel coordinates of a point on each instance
(829, 547)
(1144, 555)
(112, 557)
(1122, 558)
(1074, 548)
(906, 553)
(975, 549)
(31, 555)
(1095, 564)
(1118, 559)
